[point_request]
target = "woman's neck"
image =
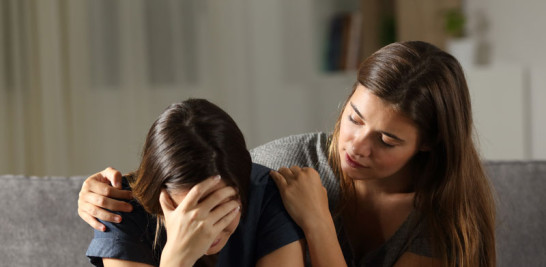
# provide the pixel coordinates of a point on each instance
(400, 183)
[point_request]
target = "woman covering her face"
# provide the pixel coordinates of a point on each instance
(196, 181)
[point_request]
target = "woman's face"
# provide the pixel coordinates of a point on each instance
(375, 141)
(221, 240)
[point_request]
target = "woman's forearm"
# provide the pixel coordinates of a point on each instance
(324, 248)
(173, 257)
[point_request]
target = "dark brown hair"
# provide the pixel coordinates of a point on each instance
(452, 193)
(188, 143)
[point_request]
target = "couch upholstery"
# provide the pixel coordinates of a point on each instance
(521, 212)
(39, 224)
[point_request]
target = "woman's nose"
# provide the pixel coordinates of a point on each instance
(362, 145)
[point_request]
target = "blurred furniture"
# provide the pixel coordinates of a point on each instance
(40, 226)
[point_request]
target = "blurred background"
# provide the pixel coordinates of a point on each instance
(81, 81)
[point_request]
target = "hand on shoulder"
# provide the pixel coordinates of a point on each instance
(98, 194)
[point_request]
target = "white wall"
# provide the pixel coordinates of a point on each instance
(512, 33)
(498, 102)
(514, 30)
(260, 61)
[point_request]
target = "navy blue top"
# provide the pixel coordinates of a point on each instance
(265, 227)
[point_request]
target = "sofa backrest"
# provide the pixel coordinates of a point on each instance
(520, 190)
(39, 222)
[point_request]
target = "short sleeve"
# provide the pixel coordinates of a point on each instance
(130, 240)
(276, 228)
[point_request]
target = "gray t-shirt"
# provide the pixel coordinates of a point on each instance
(311, 150)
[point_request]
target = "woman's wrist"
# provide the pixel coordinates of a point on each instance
(319, 226)
(324, 248)
(171, 257)
(318, 223)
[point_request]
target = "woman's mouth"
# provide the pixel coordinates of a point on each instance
(351, 162)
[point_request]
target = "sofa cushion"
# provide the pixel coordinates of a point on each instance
(520, 191)
(39, 222)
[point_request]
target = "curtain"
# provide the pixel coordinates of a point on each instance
(82, 80)
(34, 122)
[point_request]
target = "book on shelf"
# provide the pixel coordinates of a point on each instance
(344, 42)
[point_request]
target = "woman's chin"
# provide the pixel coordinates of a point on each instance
(349, 171)
(354, 174)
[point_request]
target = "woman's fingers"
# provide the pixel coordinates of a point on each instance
(295, 170)
(217, 197)
(223, 210)
(199, 191)
(102, 202)
(287, 173)
(112, 175)
(206, 201)
(91, 220)
(226, 220)
(97, 194)
(98, 184)
(279, 180)
(96, 212)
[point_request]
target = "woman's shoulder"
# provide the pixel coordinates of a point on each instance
(303, 150)
(304, 140)
(131, 239)
(266, 225)
(262, 186)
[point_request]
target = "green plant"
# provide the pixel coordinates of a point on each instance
(454, 22)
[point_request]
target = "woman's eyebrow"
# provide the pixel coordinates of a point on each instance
(383, 132)
(356, 110)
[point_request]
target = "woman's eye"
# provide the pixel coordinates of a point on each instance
(385, 143)
(352, 120)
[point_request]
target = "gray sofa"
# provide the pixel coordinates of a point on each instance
(39, 224)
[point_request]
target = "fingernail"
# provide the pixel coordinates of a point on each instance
(103, 228)
(117, 219)
(217, 177)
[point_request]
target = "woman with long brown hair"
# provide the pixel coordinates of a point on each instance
(403, 152)
(399, 181)
(199, 200)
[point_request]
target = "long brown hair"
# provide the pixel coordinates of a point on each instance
(189, 142)
(453, 196)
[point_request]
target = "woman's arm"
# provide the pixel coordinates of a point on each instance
(324, 248)
(108, 262)
(292, 254)
(306, 201)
